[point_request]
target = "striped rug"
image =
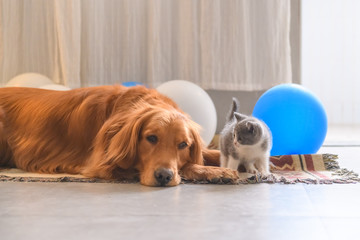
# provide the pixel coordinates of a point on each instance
(287, 169)
(310, 168)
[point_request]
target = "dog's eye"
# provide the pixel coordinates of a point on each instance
(152, 139)
(182, 145)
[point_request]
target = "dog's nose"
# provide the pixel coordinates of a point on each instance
(163, 176)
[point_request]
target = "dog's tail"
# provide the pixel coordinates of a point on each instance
(234, 108)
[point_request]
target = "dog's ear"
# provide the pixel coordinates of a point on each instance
(116, 143)
(197, 145)
(122, 137)
(120, 141)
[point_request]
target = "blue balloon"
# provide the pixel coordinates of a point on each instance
(131, 84)
(296, 118)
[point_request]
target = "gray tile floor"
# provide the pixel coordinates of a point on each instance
(131, 211)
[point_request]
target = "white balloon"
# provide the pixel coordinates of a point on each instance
(55, 87)
(29, 80)
(193, 100)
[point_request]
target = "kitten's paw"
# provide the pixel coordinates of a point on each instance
(264, 173)
(250, 168)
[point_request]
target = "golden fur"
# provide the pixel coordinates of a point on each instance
(108, 132)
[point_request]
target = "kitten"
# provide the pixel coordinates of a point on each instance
(245, 140)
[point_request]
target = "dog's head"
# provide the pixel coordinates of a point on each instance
(167, 141)
(157, 142)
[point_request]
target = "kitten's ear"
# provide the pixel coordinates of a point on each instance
(239, 117)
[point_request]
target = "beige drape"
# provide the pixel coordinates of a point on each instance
(227, 45)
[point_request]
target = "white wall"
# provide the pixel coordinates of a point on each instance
(330, 51)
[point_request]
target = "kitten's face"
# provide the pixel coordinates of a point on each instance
(247, 132)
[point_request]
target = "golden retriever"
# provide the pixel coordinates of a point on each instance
(107, 132)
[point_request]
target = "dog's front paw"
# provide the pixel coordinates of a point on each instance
(194, 172)
(223, 175)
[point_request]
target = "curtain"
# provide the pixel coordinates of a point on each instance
(224, 45)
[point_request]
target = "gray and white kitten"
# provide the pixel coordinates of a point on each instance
(245, 140)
